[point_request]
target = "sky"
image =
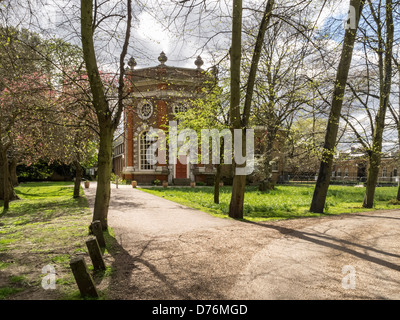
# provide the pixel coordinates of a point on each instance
(155, 27)
(158, 38)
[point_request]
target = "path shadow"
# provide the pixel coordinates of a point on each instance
(125, 264)
(334, 243)
(373, 216)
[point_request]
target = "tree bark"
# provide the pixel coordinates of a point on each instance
(385, 88)
(398, 134)
(107, 123)
(398, 193)
(237, 198)
(102, 111)
(104, 166)
(13, 172)
(6, 181)
(256, 59)
(78, 179)
(237, 121)
(325, 171)
(7, 192)
(216, 184)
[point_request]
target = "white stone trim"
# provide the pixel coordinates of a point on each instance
(165, 94)
(136, 144)
(140, 106)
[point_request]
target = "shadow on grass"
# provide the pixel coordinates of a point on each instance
(26, 191)
(45, 210)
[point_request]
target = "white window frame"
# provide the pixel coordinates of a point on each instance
(140, 107)
(143, 164)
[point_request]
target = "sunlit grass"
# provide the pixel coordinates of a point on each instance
(285, 202)
(46, 226)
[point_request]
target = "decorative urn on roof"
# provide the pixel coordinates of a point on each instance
(132, 63)
(162, 58)
(199, 62)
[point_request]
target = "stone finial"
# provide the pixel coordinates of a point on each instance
(132, 63)
(199, 62)
(162, 58)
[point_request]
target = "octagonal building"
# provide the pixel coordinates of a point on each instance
(156, 95)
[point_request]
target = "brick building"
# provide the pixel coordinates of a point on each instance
(156, 95)
(353, 166)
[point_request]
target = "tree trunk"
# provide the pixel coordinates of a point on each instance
(398, 193)
(216, 184)
(103, 190)
(237, 199)
(325, 171)
(78, 179)
(13, 172)
(256, 59)
(386, 82)
(6, 182)
(372, 179)
(238, 122)
(7, 192)
(398, 135)
(104, 116)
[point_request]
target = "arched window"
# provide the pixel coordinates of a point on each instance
(147, 158)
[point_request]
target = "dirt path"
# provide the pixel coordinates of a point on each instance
(168, 251)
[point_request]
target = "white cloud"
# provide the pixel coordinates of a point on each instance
(332, 9)
(151, 30)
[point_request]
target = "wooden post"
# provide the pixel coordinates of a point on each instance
(116, 181)
(95, 254)
(98, 233)
(83, 278)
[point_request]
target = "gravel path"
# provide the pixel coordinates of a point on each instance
(168, 251)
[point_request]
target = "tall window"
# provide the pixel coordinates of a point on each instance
(147, 158)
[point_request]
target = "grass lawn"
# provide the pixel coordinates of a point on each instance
(46, 227)
(285, 202)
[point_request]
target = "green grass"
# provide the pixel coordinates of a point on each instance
(285, 202)
(45, 227)
(5, 292)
